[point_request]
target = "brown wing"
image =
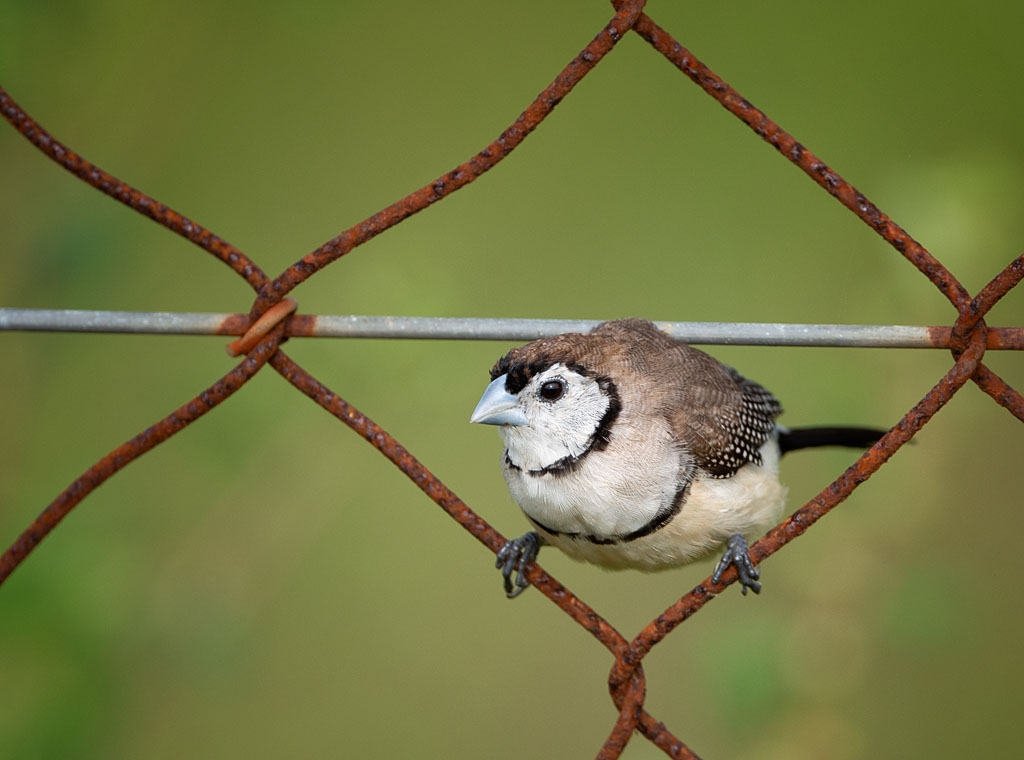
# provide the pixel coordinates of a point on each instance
(721, 417)
(742, 426)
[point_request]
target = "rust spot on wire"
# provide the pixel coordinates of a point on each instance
(630, 702)
(237, 324)
(1000, 391)
(270, 319)
(996, 289)
(996, 338)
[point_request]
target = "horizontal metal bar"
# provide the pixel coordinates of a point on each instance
(75, 320)
(447, 328)
(453, 328)
(691, 332)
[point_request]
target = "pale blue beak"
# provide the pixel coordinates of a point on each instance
(497, 406)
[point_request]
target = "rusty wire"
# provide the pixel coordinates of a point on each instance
(968, 339)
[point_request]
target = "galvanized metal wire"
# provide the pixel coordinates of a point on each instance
(488, 328)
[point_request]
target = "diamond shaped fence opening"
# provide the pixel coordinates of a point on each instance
(274, 310)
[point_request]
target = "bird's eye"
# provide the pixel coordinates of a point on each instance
(553, 390)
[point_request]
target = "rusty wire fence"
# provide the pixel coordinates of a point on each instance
(273, 319)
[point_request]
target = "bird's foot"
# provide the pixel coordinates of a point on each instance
(514, 556)
(737, 554)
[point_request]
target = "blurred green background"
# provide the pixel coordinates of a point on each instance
(266, 584)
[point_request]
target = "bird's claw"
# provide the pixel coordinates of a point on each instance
(514, 556)
(738, 555)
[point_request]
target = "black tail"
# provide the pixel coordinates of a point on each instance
(802, 438)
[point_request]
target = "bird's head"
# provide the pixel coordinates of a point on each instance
(549, 408)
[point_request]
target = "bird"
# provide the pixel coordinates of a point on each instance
(626, 448)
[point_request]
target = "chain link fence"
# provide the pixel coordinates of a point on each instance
(275, 316)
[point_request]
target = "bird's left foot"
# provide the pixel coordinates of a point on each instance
(737, 554)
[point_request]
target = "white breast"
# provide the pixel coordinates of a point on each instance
(602, 500)
(607, 493)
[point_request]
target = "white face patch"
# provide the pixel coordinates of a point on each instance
(564, 410)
